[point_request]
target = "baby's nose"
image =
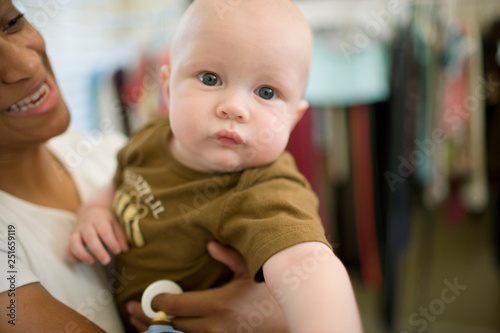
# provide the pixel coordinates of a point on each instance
(234, 109)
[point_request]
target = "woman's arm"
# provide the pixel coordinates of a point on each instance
(37, 311)
(234, 307)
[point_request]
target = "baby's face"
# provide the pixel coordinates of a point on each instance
(235, 92)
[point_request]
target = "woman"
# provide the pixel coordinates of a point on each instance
(40, 191)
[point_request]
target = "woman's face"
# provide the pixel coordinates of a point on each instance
(31, 107)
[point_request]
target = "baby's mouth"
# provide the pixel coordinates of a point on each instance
(32, 101)
(228, 138)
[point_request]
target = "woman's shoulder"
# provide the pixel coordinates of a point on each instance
(84, 142)
(89, 156)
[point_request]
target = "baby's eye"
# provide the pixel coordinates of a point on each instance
(209, 79)
(266, 93)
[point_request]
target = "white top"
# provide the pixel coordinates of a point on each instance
(41, 234)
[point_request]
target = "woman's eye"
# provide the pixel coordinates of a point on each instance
(266, 93)
(209, 79)
(14, 25)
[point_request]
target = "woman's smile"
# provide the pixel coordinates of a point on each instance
(44, 99)
(31, 101)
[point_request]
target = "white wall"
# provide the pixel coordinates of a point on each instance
(86, 36)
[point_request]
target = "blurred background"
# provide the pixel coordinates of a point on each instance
(401, 142)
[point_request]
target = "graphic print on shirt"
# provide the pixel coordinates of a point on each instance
(133, 201)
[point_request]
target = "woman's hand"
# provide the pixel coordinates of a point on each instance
(239, 306)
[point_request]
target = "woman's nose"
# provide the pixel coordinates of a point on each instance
(17, 61)
(233, 107)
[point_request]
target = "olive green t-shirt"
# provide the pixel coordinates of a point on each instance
(169, 212)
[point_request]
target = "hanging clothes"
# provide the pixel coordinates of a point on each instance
(474, 191)
(491, 55)
(397, 189)
(301, 146)
(362, 161)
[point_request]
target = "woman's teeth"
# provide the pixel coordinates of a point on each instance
(32, 101)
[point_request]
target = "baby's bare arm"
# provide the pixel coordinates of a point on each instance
(313, 289)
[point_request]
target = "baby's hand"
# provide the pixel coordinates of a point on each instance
(95, 228)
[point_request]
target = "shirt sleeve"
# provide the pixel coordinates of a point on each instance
(269, 217)
(14, 273)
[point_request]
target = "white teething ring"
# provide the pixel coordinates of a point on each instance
(156, 288)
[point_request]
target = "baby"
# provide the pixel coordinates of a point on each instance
(215, 169)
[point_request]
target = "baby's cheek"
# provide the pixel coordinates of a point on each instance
(271, 151)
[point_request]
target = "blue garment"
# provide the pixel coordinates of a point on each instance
(161, 329)
(338, 79)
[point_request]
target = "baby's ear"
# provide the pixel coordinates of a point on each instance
(165, 81)
(302, 108)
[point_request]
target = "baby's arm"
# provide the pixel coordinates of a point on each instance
(313, 289)
(95, 228)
